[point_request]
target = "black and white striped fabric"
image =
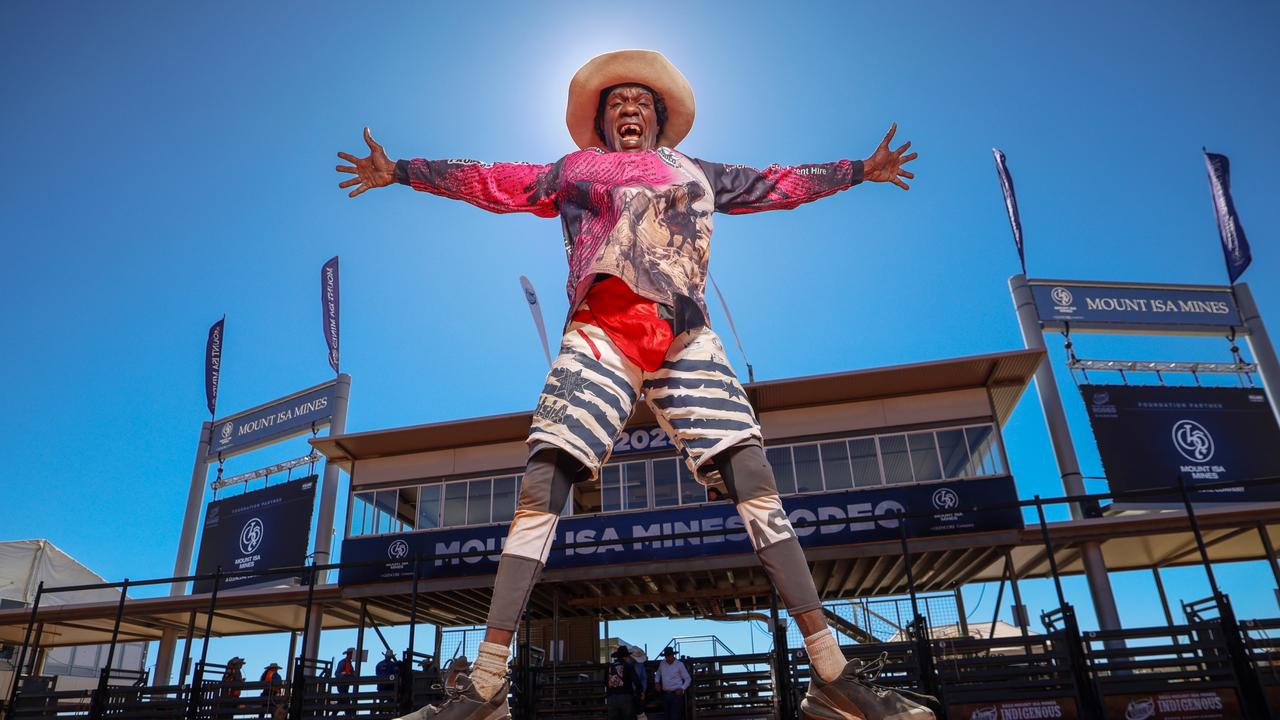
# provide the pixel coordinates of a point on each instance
(593, 388)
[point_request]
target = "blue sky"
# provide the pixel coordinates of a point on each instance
(171, 163)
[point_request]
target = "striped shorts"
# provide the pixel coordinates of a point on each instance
(593, 388)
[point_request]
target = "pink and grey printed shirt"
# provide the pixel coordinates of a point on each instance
(642, 216)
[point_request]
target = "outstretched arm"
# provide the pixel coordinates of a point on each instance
(741, 189)
(497, 187)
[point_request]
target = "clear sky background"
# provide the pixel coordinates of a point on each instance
(166, 164)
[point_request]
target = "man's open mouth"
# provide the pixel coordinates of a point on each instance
(630, 130)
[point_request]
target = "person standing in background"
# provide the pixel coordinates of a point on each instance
(673, 679)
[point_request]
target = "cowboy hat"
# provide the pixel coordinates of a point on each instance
(237, 660)
(272, 666)
(645, 67)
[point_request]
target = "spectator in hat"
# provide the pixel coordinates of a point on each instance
(273, 687)
(636, 657)
(622, 686)
(673, 680)
(343, 674)
(387, 668)
(459, 666)
(232, 684)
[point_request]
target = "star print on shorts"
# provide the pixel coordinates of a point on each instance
(569, 383)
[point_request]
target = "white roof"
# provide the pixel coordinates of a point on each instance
(24, 564)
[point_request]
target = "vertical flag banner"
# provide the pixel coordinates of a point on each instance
(329, 308)
(1235, 246)
(213, 364)
(1010, 204)
(532, 298)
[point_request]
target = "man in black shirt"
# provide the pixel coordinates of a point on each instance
(622, 686)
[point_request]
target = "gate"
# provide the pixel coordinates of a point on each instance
(1262, 645)
(1147, 671)
(1008, 677)
(736, 686)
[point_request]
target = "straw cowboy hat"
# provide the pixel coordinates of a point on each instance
(645, 67)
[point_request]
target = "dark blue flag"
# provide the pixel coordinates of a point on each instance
(329, 308)
(1235, 246)
(1010, 204)
(213, 364)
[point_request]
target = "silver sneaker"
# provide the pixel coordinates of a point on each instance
(855, 696)
(462, 702)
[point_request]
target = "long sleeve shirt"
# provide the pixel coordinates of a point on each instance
(644, 217)
(672, 676)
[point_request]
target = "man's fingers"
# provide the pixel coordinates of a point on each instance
(902, 149)
(357, 191)
(908, 158)
(907, 175)
(900, 184)
(888, 138)
(368, 138)
(349, 157)
(346, 169)
(349, 183)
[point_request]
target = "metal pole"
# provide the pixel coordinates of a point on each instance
(26, 641)
(964, 620)
(1048, 547)
(197, 678)
(1271, 557)
(1204, 550)
(1164, 599)
(329, 485)
(995, 615)
(307, 652)
(1055, 419)
(1264, 353)
(186, 546)
(781, 659)
(906, 561)
(115, 628)
(413, 608)
(1020, 616)
(364, 609)
(293, 657)
(186, 648)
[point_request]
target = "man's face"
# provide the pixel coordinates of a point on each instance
(669, 658)
(630, 121)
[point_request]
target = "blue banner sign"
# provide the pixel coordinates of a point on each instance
(1149, 436)
(1134, 307)
(256, 531)
(669, 534)
(274, 421)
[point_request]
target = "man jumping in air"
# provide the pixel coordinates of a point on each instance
(637, 218)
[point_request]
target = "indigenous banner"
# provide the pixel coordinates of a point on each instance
(256, 531)
(646, 536)
(213, 364)
(277, 420)
(1203, 704)
(1235, 246)
(1010, 204)
(1043, 709)
(329, 308)
(1149, 436)
(1135, 307)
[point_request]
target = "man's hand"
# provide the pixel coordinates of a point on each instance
(885, 165)
(374, 171)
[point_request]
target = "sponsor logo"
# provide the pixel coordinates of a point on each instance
(1140, 709)
(668, 156)
(986, 713)
(528, 295)
(251, 536)
(1062, 299)
(1192, 440)
(1101, 398)
(227, 428)
(945, 499)
(398, 550)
